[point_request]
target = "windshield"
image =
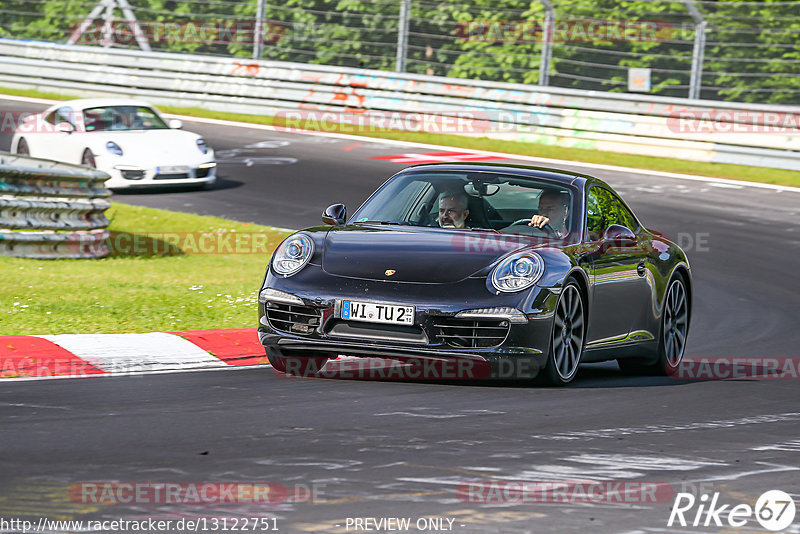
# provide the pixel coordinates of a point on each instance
(475, 200)
(119, 118)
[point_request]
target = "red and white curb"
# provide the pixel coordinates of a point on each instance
(79, 355)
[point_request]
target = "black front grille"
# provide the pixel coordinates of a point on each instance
(471, 333)
(202, 173)
(378, 332)
(292, 319)
(171, 176)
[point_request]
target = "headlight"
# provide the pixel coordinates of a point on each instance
(292, 254)
(517, 272)
(114, 148)
(201, 144)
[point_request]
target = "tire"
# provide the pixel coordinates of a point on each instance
(568, 337)
(87, 159)
(296, 366)
(672, 333)
(22, 147)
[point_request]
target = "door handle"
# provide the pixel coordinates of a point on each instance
(640, 269)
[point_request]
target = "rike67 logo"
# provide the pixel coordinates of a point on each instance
(774, 510)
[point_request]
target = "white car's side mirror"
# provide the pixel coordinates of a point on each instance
(64, 127)
(175, 124)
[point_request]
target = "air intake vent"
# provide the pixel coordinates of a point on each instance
(471, 333)
(293, 319)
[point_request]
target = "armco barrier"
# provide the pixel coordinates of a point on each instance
(51, 210)
(747, 134)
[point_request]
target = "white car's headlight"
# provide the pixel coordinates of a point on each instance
(293, 254)
(517, 272)
(113, 148)
(202, 146)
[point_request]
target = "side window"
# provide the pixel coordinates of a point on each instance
(65, 114)
(603, 209)
(51, 118)
(595, 214)
(624, 216)
(617, 213)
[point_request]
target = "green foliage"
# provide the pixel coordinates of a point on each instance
(752, 52)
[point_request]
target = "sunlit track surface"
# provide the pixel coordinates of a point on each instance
(399, 449)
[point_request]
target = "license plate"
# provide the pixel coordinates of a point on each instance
(353, 310)
(172, 169)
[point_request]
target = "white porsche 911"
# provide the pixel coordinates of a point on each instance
(128, 139)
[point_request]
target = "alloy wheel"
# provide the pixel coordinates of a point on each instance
(676, 322)
(568, 333)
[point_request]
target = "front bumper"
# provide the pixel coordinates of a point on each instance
(125, 176)
(515, 350)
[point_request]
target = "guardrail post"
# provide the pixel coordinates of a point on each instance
(698, 49)
(402, 35)
(547, 42)
(107, 8)
(258, 33)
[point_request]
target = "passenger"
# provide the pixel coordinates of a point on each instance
(553, 210)
(453, 210)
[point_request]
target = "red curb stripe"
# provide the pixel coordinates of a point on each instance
(234, 346)
(24, 356)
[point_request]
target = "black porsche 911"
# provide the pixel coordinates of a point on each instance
(520, 270)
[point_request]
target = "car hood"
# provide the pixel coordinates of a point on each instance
(427, 255)
(158, 146)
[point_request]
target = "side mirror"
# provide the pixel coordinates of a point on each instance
(334, 215)
(619, 236)
(64, 127)
(175, 124)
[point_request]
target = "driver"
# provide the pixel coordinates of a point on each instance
(553, 209)
(453, 210)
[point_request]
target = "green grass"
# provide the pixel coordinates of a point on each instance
(132, 292)
(720, 170)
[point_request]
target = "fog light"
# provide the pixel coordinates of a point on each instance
(273, 295)
(511, 314)
(130, 172)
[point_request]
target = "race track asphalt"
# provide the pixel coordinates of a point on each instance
(403, 449)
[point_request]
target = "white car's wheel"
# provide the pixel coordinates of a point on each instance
(22, 147)
(87, 159)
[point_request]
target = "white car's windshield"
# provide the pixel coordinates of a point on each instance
(118, 118)
(475, 200)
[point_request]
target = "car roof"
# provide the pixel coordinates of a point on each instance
(86, 103)
(558, 175)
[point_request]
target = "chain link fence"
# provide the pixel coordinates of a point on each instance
(746, 51)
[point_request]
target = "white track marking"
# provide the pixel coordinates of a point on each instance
(546, 161)
(152, 372)
(661, 429)
(790, 446)
(133, 353)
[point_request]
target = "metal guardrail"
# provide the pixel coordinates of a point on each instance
(51, 210)
(717, 132)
